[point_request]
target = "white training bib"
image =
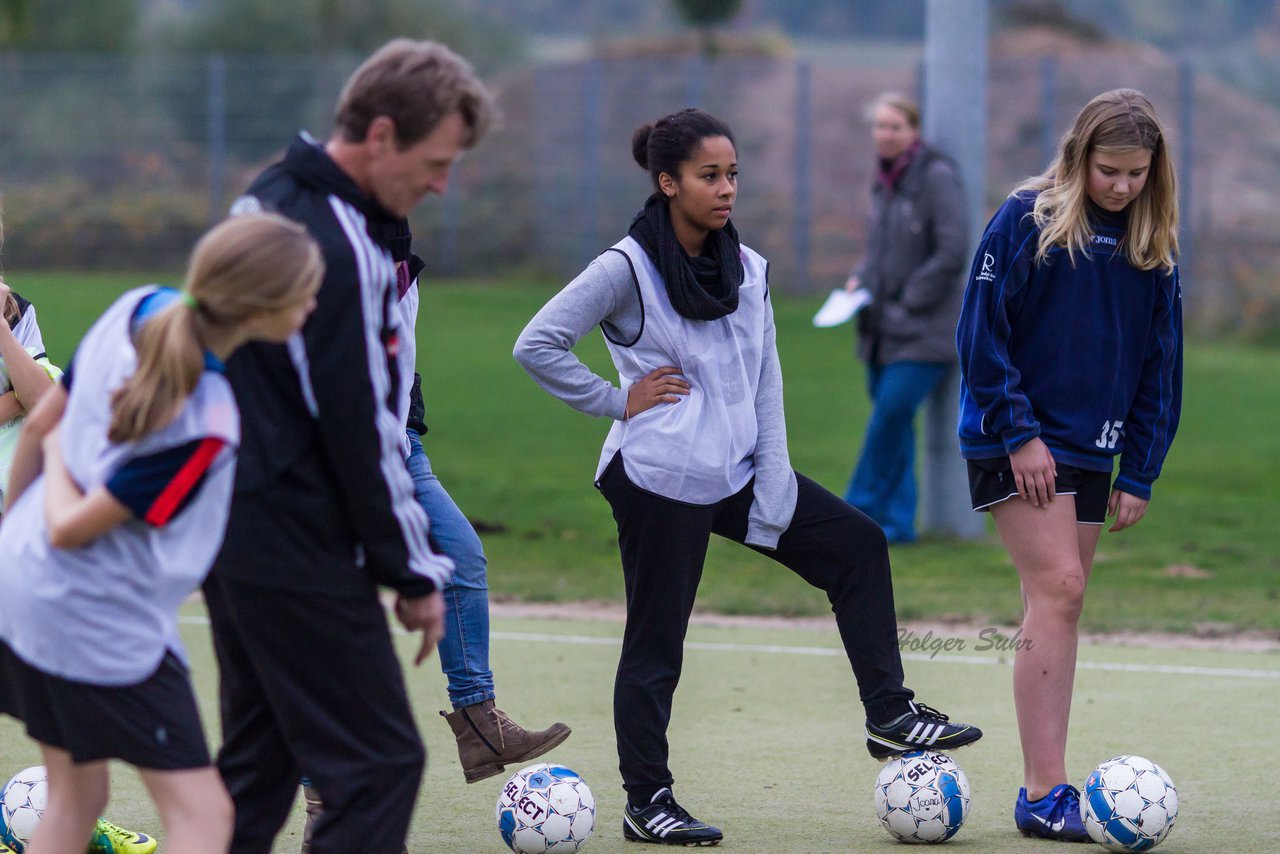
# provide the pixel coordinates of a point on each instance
(699, 450)
(105, 613)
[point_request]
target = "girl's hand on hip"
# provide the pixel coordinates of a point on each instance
(664, 385)
(1034, 471)
(1127, 509)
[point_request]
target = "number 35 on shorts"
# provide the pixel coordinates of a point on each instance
(1111, 433)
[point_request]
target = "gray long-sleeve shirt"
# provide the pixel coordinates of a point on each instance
(605, 294)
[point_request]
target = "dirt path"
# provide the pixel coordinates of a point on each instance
(612, 612)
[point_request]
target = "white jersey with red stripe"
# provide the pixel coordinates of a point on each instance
(106, 613)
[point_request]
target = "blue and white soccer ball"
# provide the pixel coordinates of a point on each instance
(1129, 804)
(22, 805)
(922, 796)
(545, 808)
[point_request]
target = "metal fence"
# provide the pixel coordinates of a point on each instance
(114, 162)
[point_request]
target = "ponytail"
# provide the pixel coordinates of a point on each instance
(245, 266)
(170, 361)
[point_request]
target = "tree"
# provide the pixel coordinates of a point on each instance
(351, 26)
(706, 15)
(15, 19)
(101, 26)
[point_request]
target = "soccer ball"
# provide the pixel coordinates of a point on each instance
(22, 806)
(545, 808)
(922, 797)
(1129, 804)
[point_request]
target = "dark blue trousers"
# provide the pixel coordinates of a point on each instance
(883, 484)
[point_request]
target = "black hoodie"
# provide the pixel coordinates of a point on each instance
(321, 483)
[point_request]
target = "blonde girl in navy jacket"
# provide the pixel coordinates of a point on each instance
(1070, 344)
(118, 500)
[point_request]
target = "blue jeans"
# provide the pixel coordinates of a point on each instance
(883, 484)
(464, 650)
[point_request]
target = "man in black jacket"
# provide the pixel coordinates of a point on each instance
(324, 510)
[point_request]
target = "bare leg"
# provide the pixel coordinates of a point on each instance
(1087, 539)
(195, 809)
(1053, 556)
(77, 796)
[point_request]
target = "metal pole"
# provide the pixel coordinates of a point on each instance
(696, 78)
(1186, 137)
(1048, 109)
(217, 137)
(540, 148)
(800, 223)
(592, 134)
(449, 214)
(955, 121)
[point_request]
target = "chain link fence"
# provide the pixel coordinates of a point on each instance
(121, 162)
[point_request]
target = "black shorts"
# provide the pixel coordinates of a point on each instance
(154, 724)
(991, 481)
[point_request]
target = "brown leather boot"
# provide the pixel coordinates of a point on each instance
(488, 740)
(312, 798)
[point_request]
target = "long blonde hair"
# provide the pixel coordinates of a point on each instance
(1118, 121)
(10, 307)
(243, 267)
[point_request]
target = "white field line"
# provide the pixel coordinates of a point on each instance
(833, 652)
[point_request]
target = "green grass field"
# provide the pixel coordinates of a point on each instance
(1206, 558)
(767, 728)
(766, 737)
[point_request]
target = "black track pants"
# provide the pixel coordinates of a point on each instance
(664, 543)
(310, 685)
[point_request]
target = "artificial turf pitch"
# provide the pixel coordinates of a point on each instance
(767, 736)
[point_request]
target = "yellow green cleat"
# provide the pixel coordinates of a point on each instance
(110, 839)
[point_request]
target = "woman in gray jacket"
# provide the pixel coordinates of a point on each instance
(917, 245)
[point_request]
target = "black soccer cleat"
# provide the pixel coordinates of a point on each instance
(665, 822)
(922, 728)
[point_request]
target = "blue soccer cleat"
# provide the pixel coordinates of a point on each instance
(1055, 816)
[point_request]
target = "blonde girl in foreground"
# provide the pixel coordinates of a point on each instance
(116, 508)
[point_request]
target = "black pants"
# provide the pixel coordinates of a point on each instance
(664, 543)
(310, 684)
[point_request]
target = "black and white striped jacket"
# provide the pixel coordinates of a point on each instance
(322, 485)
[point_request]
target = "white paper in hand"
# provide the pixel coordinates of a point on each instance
(841, 306)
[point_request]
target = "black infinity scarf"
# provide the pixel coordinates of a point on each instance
(700, 288)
